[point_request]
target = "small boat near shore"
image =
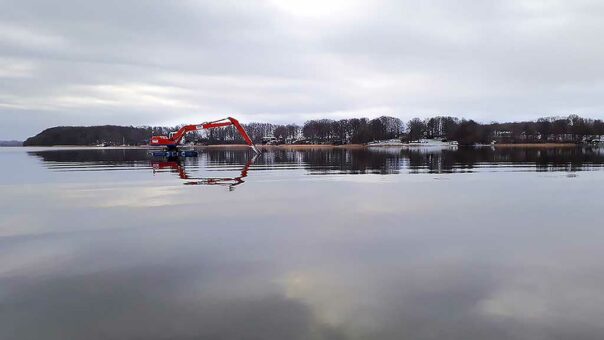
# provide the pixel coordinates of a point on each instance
(389, 142)
(417, 143)
(433, 142)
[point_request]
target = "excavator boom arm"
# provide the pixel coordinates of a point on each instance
(177, 137)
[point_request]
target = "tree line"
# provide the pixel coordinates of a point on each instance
(572, 129)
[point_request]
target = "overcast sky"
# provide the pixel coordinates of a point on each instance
(73, 62)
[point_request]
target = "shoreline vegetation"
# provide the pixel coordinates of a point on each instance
(294, 147)
(363, 146)
(569, 130)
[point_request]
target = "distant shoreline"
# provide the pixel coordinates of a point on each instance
(286, 146)
(363, 146)
(306, 146)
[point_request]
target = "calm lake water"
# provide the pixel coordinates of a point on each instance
(314, 244)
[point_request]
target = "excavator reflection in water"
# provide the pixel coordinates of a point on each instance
(175, 165)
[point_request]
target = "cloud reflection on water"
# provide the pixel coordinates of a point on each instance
(497, 255)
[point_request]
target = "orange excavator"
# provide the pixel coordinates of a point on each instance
(171, 142)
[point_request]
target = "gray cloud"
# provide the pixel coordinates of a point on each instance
(155, 62)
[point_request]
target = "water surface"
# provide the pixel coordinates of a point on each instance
(314, 244)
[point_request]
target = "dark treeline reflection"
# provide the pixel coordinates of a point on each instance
(392, 161)
(351, 161)
(73, 159)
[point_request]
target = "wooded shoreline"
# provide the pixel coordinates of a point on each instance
(317, 146)
(553, 130)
